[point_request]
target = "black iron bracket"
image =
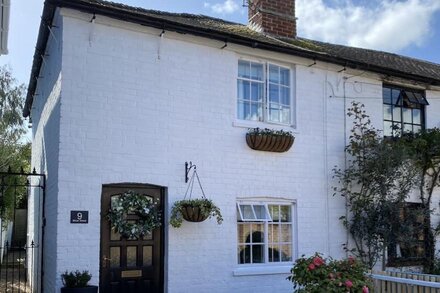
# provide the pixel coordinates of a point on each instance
(188, 167)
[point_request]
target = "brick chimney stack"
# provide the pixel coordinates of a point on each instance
(273, 17)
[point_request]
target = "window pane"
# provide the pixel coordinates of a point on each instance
(417, 128)
(407, 128)
(274, 75)
(285, 96)
(244, 254)
(147, 255)
(244, 69)
(274, 114)
(286, 233)
(257, 235)
(274, 93)
(131, 256)
(285, 76)
(387, 112)
(386, 92)
(257, 253)
(246, 211)
(244, 232)
(274, 233)
(115, 257)
(417, 117)
(285, 115)
(255, 112)
(257, 71)
(274, 253)
(407, 115)
(395, 95)
(397, 116)
(285, 214)
(260, 212)
(243, 90)
(387, 128)
(274, 212)
(256, 92)
(286, 252)
(397, 129)
(241, 114)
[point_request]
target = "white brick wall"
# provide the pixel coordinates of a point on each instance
(135, 107)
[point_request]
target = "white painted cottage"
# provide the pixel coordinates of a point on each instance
(121, 97)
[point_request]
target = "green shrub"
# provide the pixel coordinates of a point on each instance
(317, 274)
(76, 279)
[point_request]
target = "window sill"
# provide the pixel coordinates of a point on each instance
(259, 124)
(262, 270)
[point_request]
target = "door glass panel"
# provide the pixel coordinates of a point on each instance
(148, 236)
(131, 256)
(115, 236)
(115, 257)
(147, 255)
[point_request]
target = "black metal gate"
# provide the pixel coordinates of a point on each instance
(22, 231)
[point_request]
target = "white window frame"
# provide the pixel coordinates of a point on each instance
(266, 108)
(267, 267)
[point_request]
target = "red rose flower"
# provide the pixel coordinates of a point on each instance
(317, 261)
(365, 289)
(348, 284)
(311, 267)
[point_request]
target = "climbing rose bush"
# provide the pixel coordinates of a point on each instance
(317, 274)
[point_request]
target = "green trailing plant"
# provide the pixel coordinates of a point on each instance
(76, 279)
(316, 274)
(267, 131)
(207, 209)
(375, 181)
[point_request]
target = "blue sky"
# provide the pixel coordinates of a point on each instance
(407, 27)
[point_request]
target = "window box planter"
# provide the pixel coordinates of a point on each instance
(269, 140)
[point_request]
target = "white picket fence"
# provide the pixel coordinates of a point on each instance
(394, 282)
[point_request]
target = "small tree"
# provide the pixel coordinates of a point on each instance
(375, 182)
(424, 149)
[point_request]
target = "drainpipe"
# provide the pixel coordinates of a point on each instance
(4, 26)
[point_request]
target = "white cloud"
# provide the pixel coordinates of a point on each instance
(390, 25)
(227, 7)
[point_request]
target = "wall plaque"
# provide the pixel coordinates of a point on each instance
(79, 217)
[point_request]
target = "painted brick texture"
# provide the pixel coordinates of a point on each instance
(135, 106)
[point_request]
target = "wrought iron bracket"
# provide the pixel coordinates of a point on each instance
(188, 167)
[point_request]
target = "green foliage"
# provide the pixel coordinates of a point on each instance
(376, 181)
(206, 206)
(316, 275)
(14, 152)
(76, 279)
(148, 212)
(267, 131)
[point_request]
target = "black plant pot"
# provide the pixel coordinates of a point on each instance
(88, 289)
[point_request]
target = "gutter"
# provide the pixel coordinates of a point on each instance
(4, 25)
(162, 24)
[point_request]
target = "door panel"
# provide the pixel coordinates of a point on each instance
(130, 265)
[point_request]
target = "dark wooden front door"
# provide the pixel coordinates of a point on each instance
(130, 265)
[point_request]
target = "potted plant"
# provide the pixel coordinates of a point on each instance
(269, 140)
(76, 282)
(194, 210)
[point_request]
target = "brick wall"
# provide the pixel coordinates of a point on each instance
(275, 17)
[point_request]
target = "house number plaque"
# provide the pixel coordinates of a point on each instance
(79, 217)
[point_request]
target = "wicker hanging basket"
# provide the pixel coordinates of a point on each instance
(193, 214)
(269, 142)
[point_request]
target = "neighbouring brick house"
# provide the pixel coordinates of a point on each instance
(121, 97)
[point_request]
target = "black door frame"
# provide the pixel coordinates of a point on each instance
(163, 196)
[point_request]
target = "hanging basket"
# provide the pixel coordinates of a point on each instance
(194, 209)
(269, 140)
(193, 214)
